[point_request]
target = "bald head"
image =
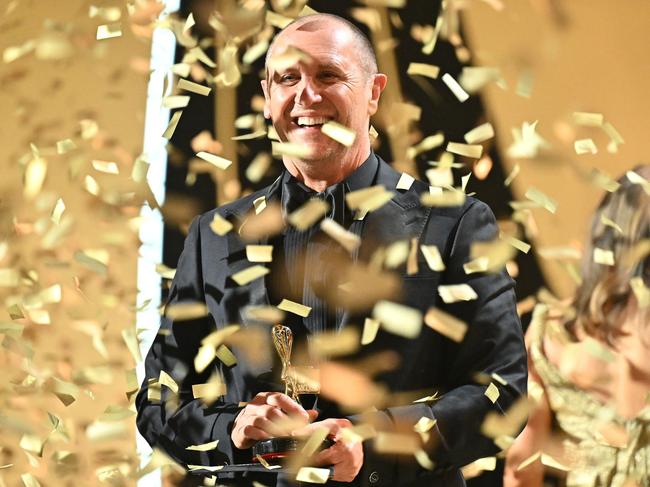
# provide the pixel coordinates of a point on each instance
(316, 22)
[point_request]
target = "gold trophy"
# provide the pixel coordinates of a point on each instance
(297, 381)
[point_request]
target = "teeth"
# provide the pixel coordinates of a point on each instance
(308, 121)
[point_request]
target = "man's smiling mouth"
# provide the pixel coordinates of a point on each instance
(311, 121)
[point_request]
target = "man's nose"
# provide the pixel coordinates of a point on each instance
(308, 92)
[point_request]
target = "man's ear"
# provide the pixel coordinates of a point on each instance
(267, 100)
(378, 84)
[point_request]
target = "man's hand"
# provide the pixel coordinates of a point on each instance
(345, 457)
(268, 415)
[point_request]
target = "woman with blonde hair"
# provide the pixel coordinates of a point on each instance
(589, 363)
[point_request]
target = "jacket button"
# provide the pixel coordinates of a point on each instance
(373, 477)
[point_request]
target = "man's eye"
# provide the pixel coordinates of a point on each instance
(288, 78)
(328, 75)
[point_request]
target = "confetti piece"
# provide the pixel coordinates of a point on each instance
(204, 357)
(66, 392)
(348, 240)
(166, 380)
(613, 134)
(474, 469)
(259, 204)
(259, 253)
(474, 151)
(588, 119)
(209, 468)
(269, 314)
(220, 225)
(396, 443)
(541, 199)
(191, 86)
(405, 182)
(258, 167)
(173, 102)
(585, 146)
(288, 58)
(433, 257)
(445, 324)
(204, 447)
(199, 54)
(216, 161)
(57, 211)
(496, 424)
(313, 475)
(635, 178)
(513, 174)
(29, 480)
(266, 464)
(250, 274)
(65, 146)
(428, 70)
(108, 31)
(518, 244)
(335, 343)
(610, 223)
(492, 392)
(277, 20)
(290, 149)
(9, 278)
(524, 86)
(604, 257)
(340, 133)
(171, 127)
(529, 461)
(443, 198)
(426, 144)
(295, 308)
(473, 78)
(186, 311)
(308, 214)
(423, 460)
(368, 199)
(549, 461)
(480, 134)
(255, 51)
(641, 291)
(456, 292)
(106, 167)
(398, 319)
(129, 337)
(35, 173)
(314, 442)
(370, 329)
(455, 88)
(224, 354)
(189, 22)
(258, 134)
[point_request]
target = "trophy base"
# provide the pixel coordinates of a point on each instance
(277, 449)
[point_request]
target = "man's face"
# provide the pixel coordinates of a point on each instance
(331, 85)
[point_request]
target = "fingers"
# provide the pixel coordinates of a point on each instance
(313, 414)
(255, 434)
(346, 460)
(287, 405)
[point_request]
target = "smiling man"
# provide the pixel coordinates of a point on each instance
(322, 69)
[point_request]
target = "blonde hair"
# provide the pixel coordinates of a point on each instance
(606, 297)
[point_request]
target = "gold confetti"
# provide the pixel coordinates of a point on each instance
(203, 358)
(266, 464)
(108, 31)
(255, 51)
(335, 343)
(269, 314)
(524, 86)
(166, 380)
(210, 468)
(529, 461)
(106, 167)
(473, 78)
(445, 324)
(29, 480)
(405, 181)
(635, 178)
(396, 443)
(9, 278)
(428, 70)
(610, 223)
(189, 22)
(259, 253)
(216, 161)
(186, 311)
(398, 319)
(340, 133)
(541, 199)
(313, 475)
(348, 240)
(370, 329)
(588, 119)
(308, 214)
(204, 447)
(259, 204)
(224, 354)
(368, 199)
(295, 308)
(423, 460)
(443, 198)
(191, 86)
(433, 257)
(35, 173)
(277, 20)
(220, 225)
(57, 211)
(426, 144)
(199, 54)
(173, 102)
(456, 292)
(513, 174)
(129, 337)
(249, 274)
(474, 151)
(455, 88)
(492, 392)
(171, 127)
(290, 149)
(585, 146)
(549, 461)
(258, 167)
(604, 257)
(65, 146)
(641, 291)
(480, 134)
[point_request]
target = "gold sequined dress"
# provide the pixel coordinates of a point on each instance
(603, 448)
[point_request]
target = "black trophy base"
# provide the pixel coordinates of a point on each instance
(277, 449)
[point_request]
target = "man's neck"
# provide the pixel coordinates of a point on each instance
(319, 175)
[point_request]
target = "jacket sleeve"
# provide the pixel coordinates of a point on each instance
(177, 421)
(493, 344)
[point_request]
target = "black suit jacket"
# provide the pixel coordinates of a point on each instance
(430, 362)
